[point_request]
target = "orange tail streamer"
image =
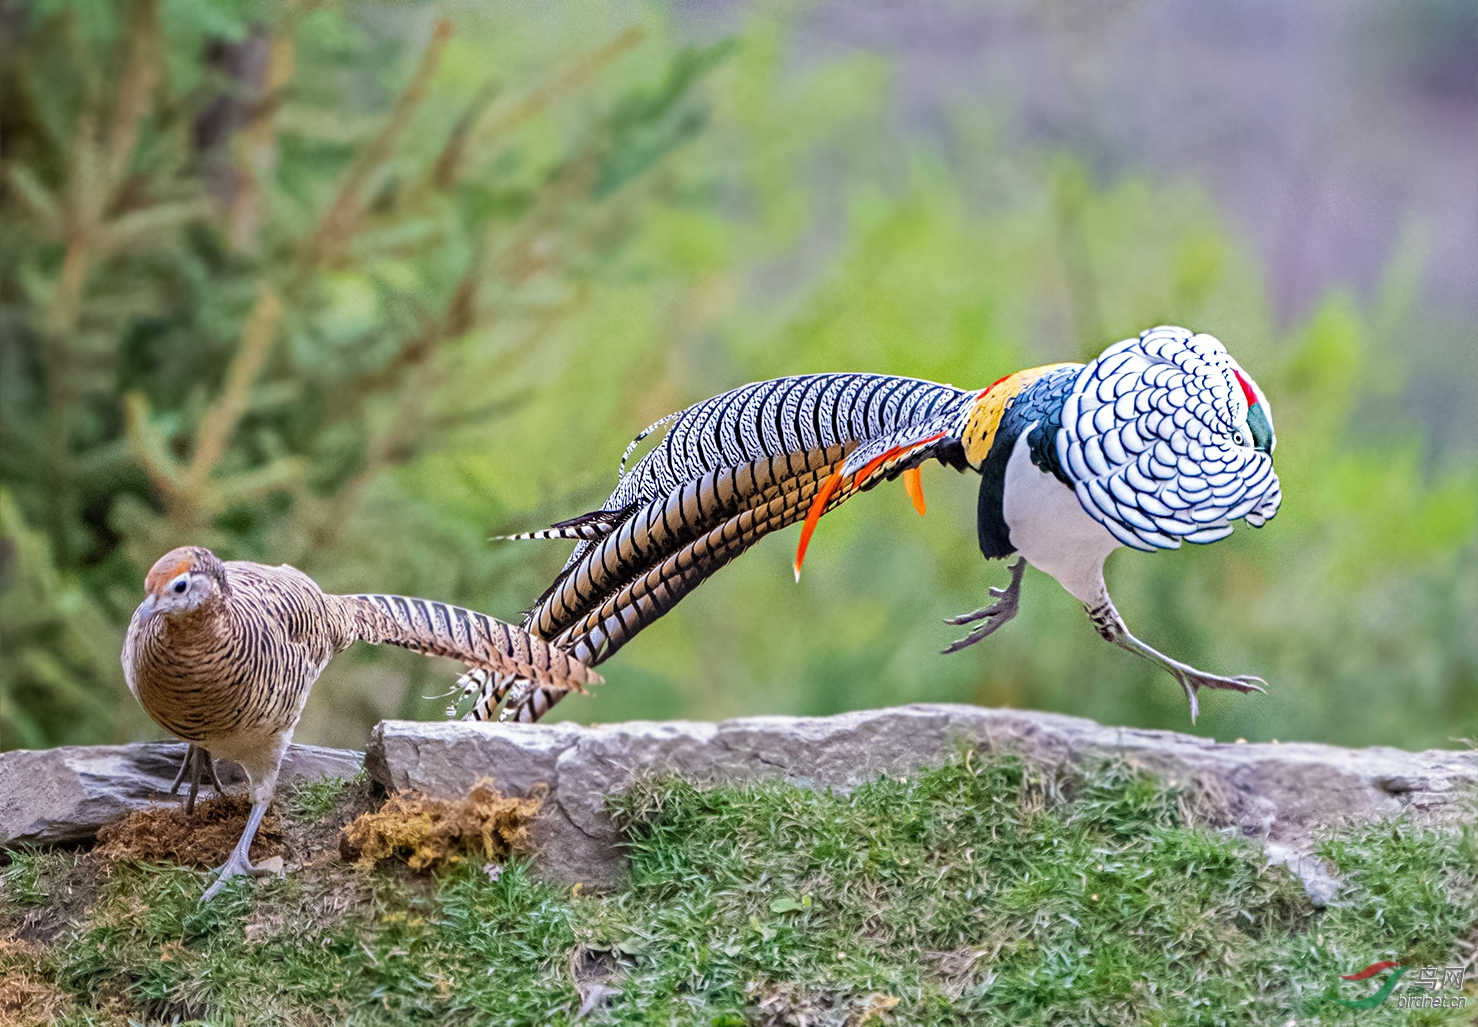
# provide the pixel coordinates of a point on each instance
(893, 454)
(913, 484)
(813, 517)
(911, 481)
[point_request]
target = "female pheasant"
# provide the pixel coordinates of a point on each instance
(1161, 439)
(224, 654)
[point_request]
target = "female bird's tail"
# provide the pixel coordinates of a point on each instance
(502, 656)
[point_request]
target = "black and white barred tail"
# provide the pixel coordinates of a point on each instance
(588, 527)
(727, 472)
(526, 701)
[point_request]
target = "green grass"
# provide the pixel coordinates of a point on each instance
(981, 892)
(314, 800)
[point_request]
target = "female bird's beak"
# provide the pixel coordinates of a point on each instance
(146, 608)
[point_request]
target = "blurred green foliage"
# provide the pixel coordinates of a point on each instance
(356, 288)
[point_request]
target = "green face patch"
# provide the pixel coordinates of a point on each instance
(1262, 429)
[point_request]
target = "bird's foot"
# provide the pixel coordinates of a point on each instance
(240, 862)
(1111, 626)
(998, 613)
(1193, 680)
(239, 868)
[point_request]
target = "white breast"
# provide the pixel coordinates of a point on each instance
(1049, 528)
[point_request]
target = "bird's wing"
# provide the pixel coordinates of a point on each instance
(728, 472)
(479, 641)
(1156, 439)
(129, 656)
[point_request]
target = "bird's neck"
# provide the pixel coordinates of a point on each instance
(990, 407)
(174, 657)
(196, 626)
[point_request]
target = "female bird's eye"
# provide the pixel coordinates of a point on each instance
(180, 586)
(1239, 438)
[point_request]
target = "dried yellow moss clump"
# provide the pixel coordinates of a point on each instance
(434, 833)
(167, 834)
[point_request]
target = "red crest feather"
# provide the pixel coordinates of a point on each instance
(1247, 392)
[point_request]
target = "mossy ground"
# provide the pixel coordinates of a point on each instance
(981, 892)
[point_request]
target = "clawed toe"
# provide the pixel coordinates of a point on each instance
(226, 873)
(967, 641)
(1249, 683)
(1194, 680)
(994, 617)
(1243, 683)
(235, 868)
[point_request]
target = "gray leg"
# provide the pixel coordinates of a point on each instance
(1111, 626)
(998, 613)
(240, 861)
(192, 764)
(174, 786)
(194, 789)
(196, 758)
(210, 768)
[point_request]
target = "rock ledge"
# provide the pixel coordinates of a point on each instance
(60, 796)
(1277, 794)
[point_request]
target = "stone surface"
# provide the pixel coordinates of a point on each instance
(1278, 794)
(52, 796)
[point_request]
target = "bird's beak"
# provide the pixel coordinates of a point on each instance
(146, 608)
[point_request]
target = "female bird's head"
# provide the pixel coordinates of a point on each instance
(182, 580)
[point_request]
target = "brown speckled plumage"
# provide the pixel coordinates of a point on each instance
(223, 654)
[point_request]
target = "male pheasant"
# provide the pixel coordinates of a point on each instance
(1161, 439)
(223, 654)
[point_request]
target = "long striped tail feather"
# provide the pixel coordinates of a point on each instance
(666, 525)
(475, 639)
(727, 472)
(641, 436)
(521, 700)
(665, 549)
(587, 527)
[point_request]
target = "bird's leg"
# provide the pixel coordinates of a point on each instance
(174, 786)
(194, 785)
(210, 768)
(191, 763)
(240, 859)
(196, 759)
(203, 759)
(998, 613)
(1111, 626)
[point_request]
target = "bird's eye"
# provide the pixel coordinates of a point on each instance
(180, 586)
(1239, 438)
